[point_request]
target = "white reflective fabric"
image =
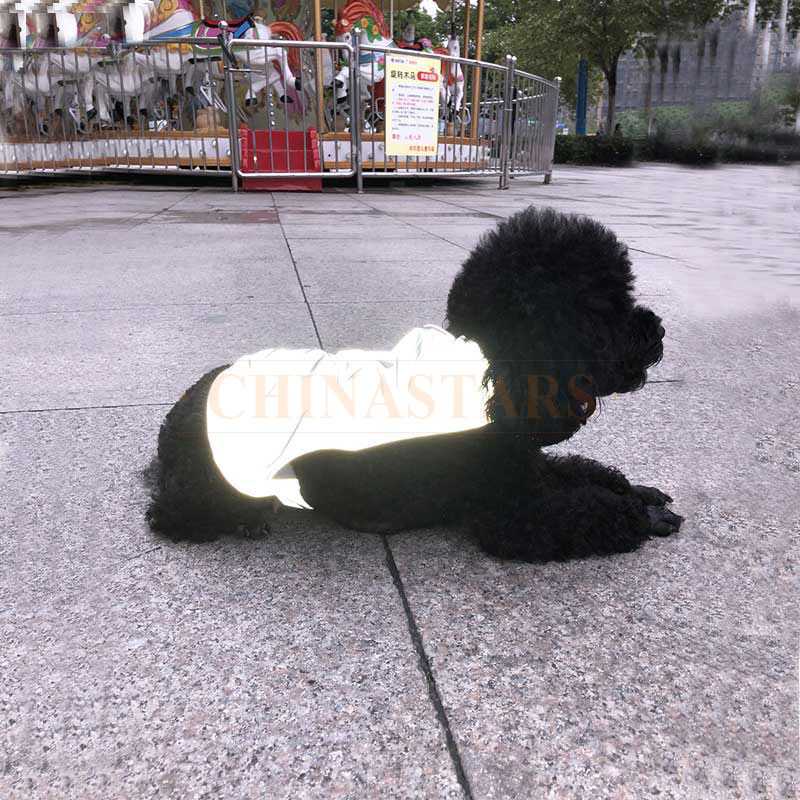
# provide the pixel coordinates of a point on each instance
(276, 405)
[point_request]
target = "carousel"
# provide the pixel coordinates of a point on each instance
(255, 86)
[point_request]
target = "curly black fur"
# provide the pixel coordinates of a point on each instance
(189, 498)
(548, 297)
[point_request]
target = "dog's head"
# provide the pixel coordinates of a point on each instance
(549, 298)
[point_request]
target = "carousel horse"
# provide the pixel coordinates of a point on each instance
(59, 87)
(51, 85)
(94, 80)
(373, 30)
(452, 92)
(369, 19)
(30, 86)
(104, 77)
(273, 67)
(452, 87)
(86, 72)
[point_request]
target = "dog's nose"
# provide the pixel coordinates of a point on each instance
(661, 331)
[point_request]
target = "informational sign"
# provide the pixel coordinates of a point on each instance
(413, 82)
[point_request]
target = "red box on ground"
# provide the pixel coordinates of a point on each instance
(283, 153)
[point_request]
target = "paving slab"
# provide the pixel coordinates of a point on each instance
(65, 270)
(285, 667)
(333, 278)
(323, 226)
(421, 248)
(671, 671)
(361, 221)
(134, 667)
(372, 325)
(135, 355)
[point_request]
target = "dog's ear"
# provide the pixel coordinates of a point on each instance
(542, 295)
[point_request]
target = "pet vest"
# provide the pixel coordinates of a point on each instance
(276, 405)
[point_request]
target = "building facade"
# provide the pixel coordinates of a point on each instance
(724, 62)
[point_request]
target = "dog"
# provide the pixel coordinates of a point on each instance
(548, 297)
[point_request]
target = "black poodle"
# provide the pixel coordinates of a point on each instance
(548, 298)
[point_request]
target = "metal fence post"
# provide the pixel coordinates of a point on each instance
(356, 112)
(228, 63)
(548, 176)
(583, 91)
(507, 129)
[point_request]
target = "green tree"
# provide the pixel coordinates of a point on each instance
(602, 30)
(524, 28)
(425, 25)
(534, 37)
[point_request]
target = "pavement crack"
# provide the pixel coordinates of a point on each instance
(423, 230)
(134, 306)
(297, 273)
(470, 209)
(143, 553)
(425, 667)
(83, 408)
(650, 252)
(162, 210)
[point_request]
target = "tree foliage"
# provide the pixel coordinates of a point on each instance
(549, 36)
(425, 26)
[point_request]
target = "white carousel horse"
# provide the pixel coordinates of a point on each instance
(44, 82)
(30, 84)
(89, 75)
(283, 74)
(452, 92)
(67, 82)
(272, 66)
(79, 26)
(367, 17)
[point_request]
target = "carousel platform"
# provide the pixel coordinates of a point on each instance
(461, 153)
(210, 150)
(204, 150)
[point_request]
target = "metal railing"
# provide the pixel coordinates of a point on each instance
(142, 107)
(260, 109)
(534, 109)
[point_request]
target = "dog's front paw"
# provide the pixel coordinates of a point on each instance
(663, 522)
(254, 531)
(651, 496)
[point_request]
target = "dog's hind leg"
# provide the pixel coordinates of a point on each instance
(189, 497)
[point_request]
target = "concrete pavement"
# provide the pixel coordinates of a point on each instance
(321, 663)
